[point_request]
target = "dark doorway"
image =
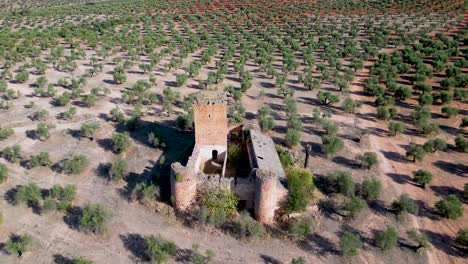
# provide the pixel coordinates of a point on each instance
(214, 155)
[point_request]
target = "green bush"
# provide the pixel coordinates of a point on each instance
(350, 244)
(416, 152)
(371, 188)
(331, 145)
(94, 218)
(292, 137)
(220, 202)
(42, 159)
(387, 239)
(81, 260)
(145, 193)
(301, 187)
(234, 154)
(17, 245)
(75, 165)
(118, 170)
(368, 160)
(159, 250)
(422, 177)
(246, 226)
(62, 197)
(12, 154)
(3, 173)
(451, 207)
(434, 145)
(342, 182)
(396, 128)
(302, 227)
(285, 157)
(404, 205)
(199, 258)
(120, 142)
(88, 129)
(6, 133)
(449, 111)
(462, 237)
(265, 119)
(354, 206)
(30, 193)
(461, 144)
(419, 238)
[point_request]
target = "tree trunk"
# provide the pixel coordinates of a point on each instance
(307, 153)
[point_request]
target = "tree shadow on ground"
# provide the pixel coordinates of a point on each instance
(179, 148)
(379, 207)
(319, 245)
(453, 168)
(395, 156)
(269, 260)
(446, 244)
(72, 217)
(349, 163)
(443, 191)
(134, 243)
(399, 178)
(60, 259)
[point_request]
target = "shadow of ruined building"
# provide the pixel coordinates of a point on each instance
(254, 172)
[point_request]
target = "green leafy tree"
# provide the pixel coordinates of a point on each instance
(17, 245)
(75, 165)
(386, 239)
(3, 173)
(220, 203)
(462, 237)
(301, 187)
(302, 227)
(293, 137)
(404, 204)
(327, 98)
(42, 159)
(354, 206)
(368, 160)
(416, 152)
(159, 250)
(118, 170)
(331, 145)
(88, 130)
(6, 133)
(420, 239)
(120, 142)
(350, 244)
(94, 218)
(449, 111)
(450, 207)
(30, 193)
(12, 154)
(396, 128)
(342, 182)
(265, 119)
(422, 177)
(461, 144)
(371, 188)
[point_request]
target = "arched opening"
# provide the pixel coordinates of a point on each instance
(214, 155)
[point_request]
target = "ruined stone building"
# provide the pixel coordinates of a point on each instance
(258, 180)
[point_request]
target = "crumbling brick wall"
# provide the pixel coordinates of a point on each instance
(265, 196)
(183, 186)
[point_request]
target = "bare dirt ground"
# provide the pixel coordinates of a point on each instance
(56, 236)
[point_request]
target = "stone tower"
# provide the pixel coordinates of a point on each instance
(210, 118)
